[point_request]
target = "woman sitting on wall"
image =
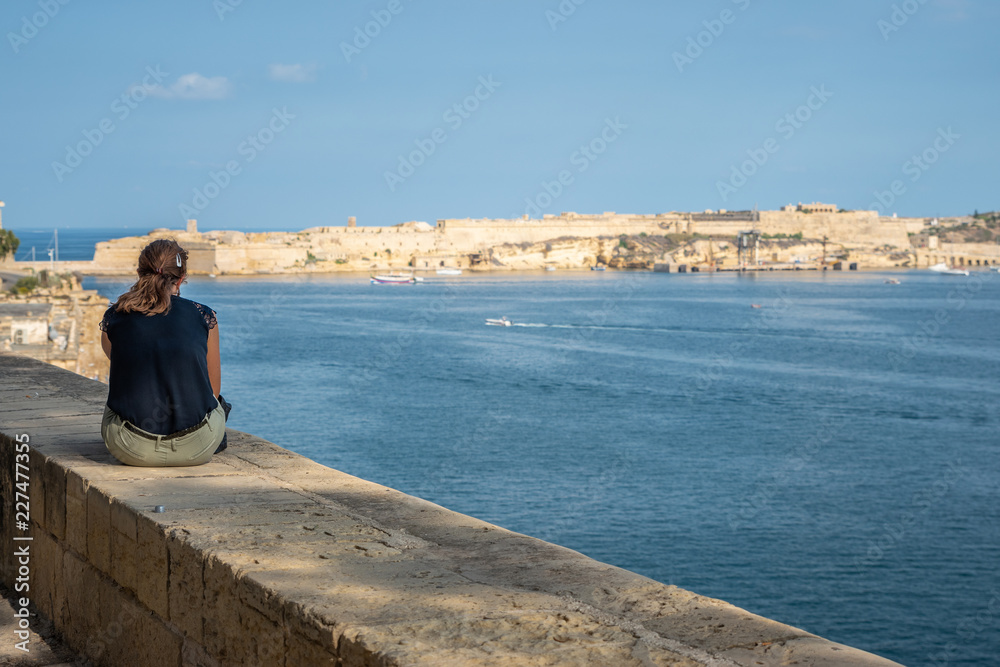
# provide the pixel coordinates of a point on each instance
(164, 407)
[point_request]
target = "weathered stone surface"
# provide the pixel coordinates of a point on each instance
(185, 585)
(55, 498)
(151, 567)
(263, 557)
(124, 545)
(99, 529)
(76, 513)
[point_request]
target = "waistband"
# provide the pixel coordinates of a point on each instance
(152, 436)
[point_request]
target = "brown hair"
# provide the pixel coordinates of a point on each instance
(161, 264)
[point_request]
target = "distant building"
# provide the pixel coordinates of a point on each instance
(192, 227)
(24, 324)
(815, 207)
(58, 326)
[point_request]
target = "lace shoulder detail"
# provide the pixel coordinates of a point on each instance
(207, 314)
(107, 318)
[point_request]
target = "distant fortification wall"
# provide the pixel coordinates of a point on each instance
(453, 242)
(849, 227)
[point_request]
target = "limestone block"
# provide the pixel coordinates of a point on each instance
(129, 635)
(235, 632)
(195, 655)
(99, 530)
(55, 498)
(220, 607)
(353, 653)
(306, 634)
(81, 619)
(36, 490)
(6, 502)
(151, 567)
(124, 545)
(46, 575)
(185, 586)
(258, 641)
(302, 651)
(76, 513)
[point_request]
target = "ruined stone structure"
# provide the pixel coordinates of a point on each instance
(58, 326)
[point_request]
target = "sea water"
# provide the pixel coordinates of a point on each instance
(828, 459)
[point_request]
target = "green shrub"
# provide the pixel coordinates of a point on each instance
(25, 285)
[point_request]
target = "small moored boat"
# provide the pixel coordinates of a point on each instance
(449, 272)
(394, 279)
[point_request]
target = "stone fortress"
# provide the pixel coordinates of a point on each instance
(808, 233)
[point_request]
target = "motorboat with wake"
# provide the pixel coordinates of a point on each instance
(946, 270)
(502, 322)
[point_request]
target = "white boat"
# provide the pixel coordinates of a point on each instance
(550, 268)
(502, 322)
(947, 270)
(599, 267)
(394, 279)
(449, 272)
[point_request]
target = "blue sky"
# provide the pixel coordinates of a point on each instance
(280, 116)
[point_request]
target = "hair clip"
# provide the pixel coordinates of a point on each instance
(178, 256)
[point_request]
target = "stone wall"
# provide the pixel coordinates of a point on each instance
(960, 254)
(263, 557)
(364, 248)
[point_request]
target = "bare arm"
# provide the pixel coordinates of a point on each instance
(106, 344)
(214, 360)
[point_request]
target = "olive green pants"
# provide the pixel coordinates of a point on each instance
(151, 450)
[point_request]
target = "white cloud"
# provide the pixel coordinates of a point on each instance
(194, 86)
(292, 73)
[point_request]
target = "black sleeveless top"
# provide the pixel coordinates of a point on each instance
(159, 369)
